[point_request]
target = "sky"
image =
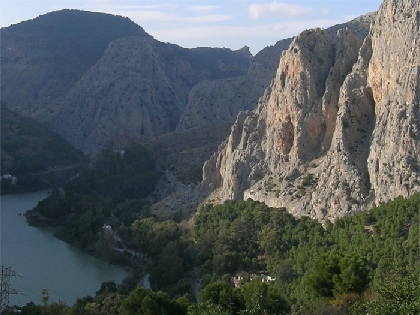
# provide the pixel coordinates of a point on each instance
(192, 23)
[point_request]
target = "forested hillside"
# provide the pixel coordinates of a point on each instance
(312, 264)
(112, 191)
(36, 157)
(363, 262)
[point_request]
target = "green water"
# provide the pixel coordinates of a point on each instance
(44, 261)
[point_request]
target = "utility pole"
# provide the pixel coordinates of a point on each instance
(5, 287)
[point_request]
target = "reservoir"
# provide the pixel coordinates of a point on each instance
(43, 261)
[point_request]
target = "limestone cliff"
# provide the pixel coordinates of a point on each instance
(221, 100)
(96, 78)
(337, 130)
(393, 75)
(127, 92)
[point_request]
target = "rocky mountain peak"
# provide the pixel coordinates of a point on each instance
(245, 51)
(337, 130)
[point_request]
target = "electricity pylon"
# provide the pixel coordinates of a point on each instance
(5, 287)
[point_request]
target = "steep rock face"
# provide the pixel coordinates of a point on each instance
(337, 129)
(394, 72)
(342, 179)
(239, 161)
(54, 70)
(271, 139)
(221, 100)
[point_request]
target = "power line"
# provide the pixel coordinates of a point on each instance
(5, 287)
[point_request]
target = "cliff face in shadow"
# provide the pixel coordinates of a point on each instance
(139, 88)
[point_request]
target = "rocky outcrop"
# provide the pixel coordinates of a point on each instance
(271, 139)
(220, 100)
(97, 78)
(336, 131)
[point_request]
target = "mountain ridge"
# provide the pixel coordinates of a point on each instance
(47, 55)
(56, 93)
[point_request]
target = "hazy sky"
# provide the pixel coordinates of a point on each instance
(190, 23)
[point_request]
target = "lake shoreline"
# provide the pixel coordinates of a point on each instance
(120, 259)
(46, 261)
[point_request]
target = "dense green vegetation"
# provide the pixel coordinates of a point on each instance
(400, 295)
(315, 267)
(169, 252)
(254, 297)
(38, 157)
(362, 263)
(112, 191)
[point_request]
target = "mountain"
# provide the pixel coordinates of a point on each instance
(337, 129)
(221, 100)
(139, 88)
(97, 78)
(43, 58)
